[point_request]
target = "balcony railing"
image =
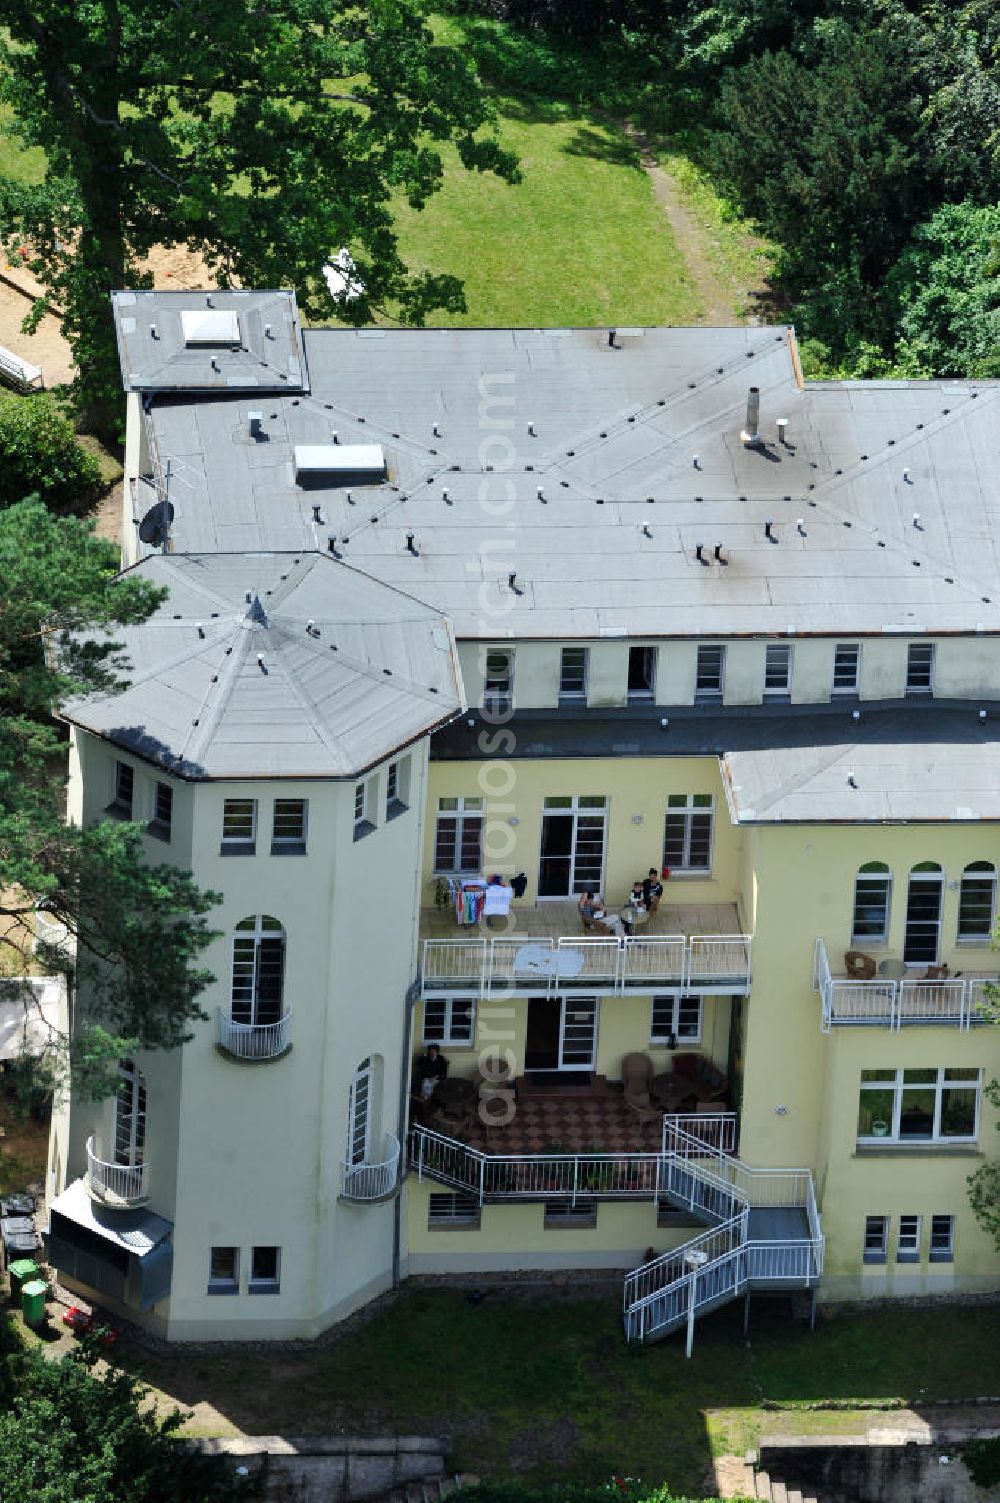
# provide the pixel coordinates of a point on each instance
(254, 1041)
(115, 1184)
(368, 1182)
(697, 962)
(494, 1178)
(956, 1002)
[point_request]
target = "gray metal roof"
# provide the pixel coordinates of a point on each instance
(611, 545)
(154, 329)
(136, 1231)
(915, 760)
(263, 665)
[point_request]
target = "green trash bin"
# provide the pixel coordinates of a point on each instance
(33, 1302)
(21, 1273)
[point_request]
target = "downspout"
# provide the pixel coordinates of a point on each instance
(410, 1003)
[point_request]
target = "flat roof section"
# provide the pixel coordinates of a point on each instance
(606, 478)
(215, 341)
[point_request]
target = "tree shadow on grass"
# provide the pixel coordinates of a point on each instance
(604, 145)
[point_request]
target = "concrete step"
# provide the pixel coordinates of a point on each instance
(762, 1486)
(779, 1492)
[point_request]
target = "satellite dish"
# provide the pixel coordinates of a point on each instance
(155, 524)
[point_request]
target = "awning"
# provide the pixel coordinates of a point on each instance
(120, 1253)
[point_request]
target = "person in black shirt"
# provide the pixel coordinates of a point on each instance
(431, 1066)
(652, 890)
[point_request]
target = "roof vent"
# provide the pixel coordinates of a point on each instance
(339, 464)
(256, 421)
(214, 326)
(750, 435)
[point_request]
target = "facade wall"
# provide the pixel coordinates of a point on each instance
(966, 667)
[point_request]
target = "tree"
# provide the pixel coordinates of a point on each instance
(984, 1184)
(266, 136)
(945, 291)
(40, 453)
(138, 929)
(73, 1437)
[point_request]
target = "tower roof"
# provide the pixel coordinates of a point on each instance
(275, 664)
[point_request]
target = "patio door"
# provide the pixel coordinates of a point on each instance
(572, 849)
(923, 914)
(561, 1035)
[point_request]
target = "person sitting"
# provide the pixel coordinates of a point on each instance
(430, 1068)
(592, 908)
(652, 890)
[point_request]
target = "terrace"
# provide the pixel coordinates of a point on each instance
(682, 947)
(901, 1002)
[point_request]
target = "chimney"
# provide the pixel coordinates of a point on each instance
(154, 332)
(411, 545)
(699, 553)
(750, 436)
(317, 512)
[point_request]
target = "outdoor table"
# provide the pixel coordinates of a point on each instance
(671, 1091)
(892, 970)
(634, 916)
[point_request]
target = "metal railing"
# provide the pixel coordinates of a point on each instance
(495, 1178)
(956, 1002)
(373, 1181)
(712, 1183)
(254, 1040)
(697, 962)
(715, 1129)
(115, 1184)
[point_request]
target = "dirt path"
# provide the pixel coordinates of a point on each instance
(719, 296)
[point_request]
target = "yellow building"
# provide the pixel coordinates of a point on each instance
(577, 610)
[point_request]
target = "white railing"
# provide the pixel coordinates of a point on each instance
(716, 1129)
(720, 1187)
(698, 962)
(494, 1177)
(115, 1184)
(373, 1181)
(254, 1040)
(955, 1002)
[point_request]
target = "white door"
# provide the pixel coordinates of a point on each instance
(578, 1033)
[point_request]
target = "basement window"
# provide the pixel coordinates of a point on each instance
(459, 1212)
(563, 1213)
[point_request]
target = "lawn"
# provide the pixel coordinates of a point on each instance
(579, 242)
(24, 1149)
(543, 1387)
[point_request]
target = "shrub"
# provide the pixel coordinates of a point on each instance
(40, 455)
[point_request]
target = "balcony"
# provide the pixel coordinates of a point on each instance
(682, 949)
(117, 1185)
(254, 1042)
(370, 1182)
(495, 1178)
(955, 1002)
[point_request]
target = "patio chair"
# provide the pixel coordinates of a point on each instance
(637, 1078)
(859, 966)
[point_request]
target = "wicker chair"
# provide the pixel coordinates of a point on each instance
(859, 966)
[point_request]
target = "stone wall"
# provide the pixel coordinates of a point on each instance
(332, 1469)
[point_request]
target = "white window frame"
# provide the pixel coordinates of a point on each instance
(687, 812)
(909, 1235)
(445, 1008)
(359, 1113)
(778, 653)
(894, 1081)
(498, 687)
(239, 845)
(710, 696)
(397, 787)
(466, 807)
(272, 1283)
(578, 695)
(929, 874)
(579, 807)
(289, 845)
(884, 880)
(925, 649)
(984, 873)
(650, 656)
(671, 1006)
(942, 1250)
(873, 1251)
(130, 1115)
(836, 689)
(365, 798)
(452, 1211)
(246, 1005)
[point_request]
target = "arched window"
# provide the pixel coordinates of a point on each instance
(363, 1109)
(130, 1115)
(977, 901)
(872, 894)
(258, 970)
(923, 913)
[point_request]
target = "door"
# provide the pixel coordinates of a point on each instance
(572, 849)
(130, 1115)
(358, 1114)
(923, 914)
(541, 1045)
(578, 1033)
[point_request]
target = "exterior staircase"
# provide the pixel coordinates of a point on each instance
(763, 1232)
(434, 1490)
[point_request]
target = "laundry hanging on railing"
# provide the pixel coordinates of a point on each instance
(470, 902)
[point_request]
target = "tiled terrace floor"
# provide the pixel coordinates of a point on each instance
(551, 920)
(564, 1122)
